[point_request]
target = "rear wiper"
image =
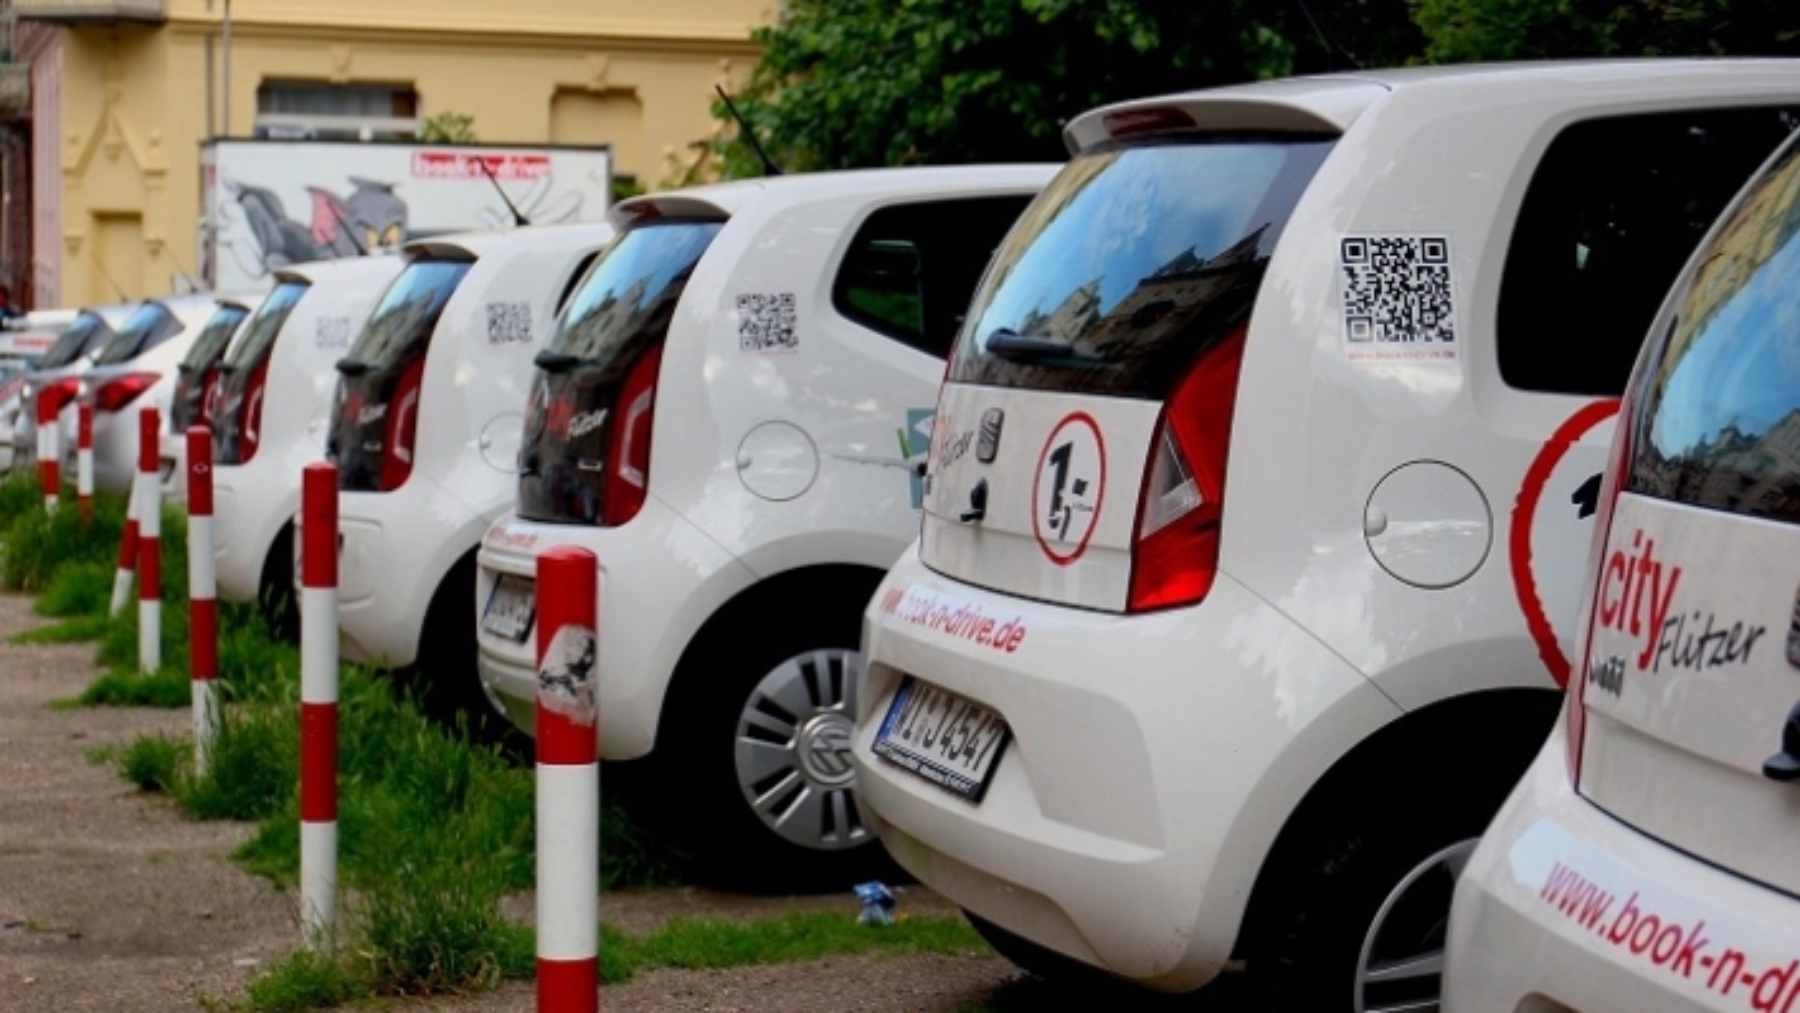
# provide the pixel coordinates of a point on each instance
(555, 362)
(353, 367)
(1026, 349)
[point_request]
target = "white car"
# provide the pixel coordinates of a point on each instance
(57, 373)
(731, 416)
(1261, 472)
(196, 385)
(1650, 859)
(425, 432)
(23, 341)
(270, 409)
(136, 368)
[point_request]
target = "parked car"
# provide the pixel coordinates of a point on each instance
(425, 431)
(1243, 590)
(57, 375)
(23, 341)
(196, 387)
(271, 406)
(136, 368)
(730, 415)
(1647, 859)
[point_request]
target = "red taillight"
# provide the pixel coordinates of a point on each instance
(402, 427)
(1612, 481)
(250, 413)
(52, 398)
(628, 442)
(1175, 553)
(116, 393)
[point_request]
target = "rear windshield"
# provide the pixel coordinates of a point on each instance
(1130, 262)
(149, 325)
(1719, 422)
(207, 348)
(83, 335)
(265, 324)
(408, 311)
(627, 298)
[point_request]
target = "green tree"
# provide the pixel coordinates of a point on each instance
(1458, 30)
(448, 128)
(846, 83)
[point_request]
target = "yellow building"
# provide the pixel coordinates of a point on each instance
(122, 93)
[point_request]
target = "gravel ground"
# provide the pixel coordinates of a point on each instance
(108, 899)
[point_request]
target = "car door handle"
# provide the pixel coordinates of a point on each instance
(1785, 765)
(977, 503)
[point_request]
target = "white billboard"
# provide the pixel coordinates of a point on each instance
(270, 203)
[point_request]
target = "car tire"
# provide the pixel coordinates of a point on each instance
(704, 796)
(276, 598)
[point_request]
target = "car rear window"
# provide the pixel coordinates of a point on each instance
(207, 348)
(86, 333)
(408, 312)
(1719, 416)
(1131, 261)
(260, 332)
(149, 325)
(626, 300)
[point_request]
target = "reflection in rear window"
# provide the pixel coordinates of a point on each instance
(86, 333)
(1720, 418)
(625, 302)
(260, 332)
(149, 325)
(403, 320)
(1132, 261)
(210, 345)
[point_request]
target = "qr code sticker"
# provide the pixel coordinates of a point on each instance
(1398, 297)
(766, 322)
(332, 333)
(508, 322)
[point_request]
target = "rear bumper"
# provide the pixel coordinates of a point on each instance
(1154, 759)
(1561, 902)
(659, 578)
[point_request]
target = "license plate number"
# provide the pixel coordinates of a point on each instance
(511, 608)
(947, 739)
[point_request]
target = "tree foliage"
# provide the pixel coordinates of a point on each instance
(847, 83)
(844, 83)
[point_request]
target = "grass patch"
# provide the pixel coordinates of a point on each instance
(712, 943)
(304, 980)
(154, 762)
(78, 589)
(167, 687)
(69, 631)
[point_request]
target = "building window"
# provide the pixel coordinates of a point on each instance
(338, 112)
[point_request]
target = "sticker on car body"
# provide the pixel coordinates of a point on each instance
(332, 333)
(1069, 488)
(1398, 298)
(508, 322)
(767, 322)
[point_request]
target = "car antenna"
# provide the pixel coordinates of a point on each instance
(1306, 12)
(349, 233)
(518, 219)
(769, 166)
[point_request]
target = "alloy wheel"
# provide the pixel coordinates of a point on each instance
(793, 750)
(1401, 966)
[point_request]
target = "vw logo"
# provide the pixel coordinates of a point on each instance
(825, 749)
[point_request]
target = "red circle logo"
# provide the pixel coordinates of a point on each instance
(1069, 488)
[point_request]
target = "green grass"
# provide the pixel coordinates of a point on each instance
(77, 589)
(712, 943)
(166, 687)
(305, 980)
(154, 762)
(69, 631)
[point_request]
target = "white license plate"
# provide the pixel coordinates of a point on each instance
(511, 608)
(947, 739)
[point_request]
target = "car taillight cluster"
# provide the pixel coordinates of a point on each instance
(628, 441)
(402, 426)
(1175, 550)
(249, 409)
(114, 394)
(53, 395)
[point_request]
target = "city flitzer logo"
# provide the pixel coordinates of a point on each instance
(987, 443)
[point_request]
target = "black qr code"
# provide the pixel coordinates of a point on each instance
(508, 322)
(1397, 290)
(766, 322)
(333, 332)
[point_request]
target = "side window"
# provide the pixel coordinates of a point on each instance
(1611, 215)
(912, 268)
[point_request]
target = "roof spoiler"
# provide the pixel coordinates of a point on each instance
(636, 210)
(1297, 106)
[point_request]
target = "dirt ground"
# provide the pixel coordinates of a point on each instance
(110, 900)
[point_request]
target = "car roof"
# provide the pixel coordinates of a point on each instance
(1331, 102)
(490, 242)
(713, 199)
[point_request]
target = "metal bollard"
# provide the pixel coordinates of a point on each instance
(84, 460)
(49, 454)
(149, 546)
(568, 783)
(318, 703)
(203, 605)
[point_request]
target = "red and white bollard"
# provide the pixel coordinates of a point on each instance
(149, 546)
(568, 783)
(128, 539)
(84, 459)
(203, 605)
(318, 702)
(49, 454)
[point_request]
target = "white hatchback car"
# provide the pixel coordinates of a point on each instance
(57, 374)
(1650, 859)
(731, 416)
(270, 409)
(1261, 472)
(196, 385)
(425, 431)
(138, 368)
